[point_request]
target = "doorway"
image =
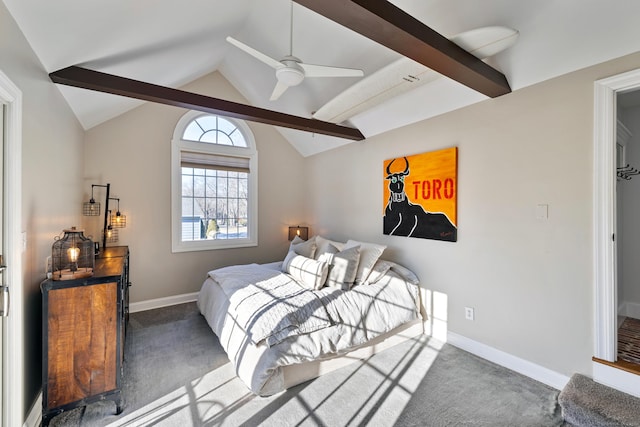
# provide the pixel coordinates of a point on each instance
(627, 214)
(605, 369)
(12, 401)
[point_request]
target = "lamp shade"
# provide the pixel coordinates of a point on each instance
(111, 234)
(118, 220)
(72, 255)
(91, 208)
(302, 232)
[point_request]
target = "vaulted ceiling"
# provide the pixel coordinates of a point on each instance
(171, 43)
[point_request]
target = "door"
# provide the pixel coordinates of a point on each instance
(2, 251)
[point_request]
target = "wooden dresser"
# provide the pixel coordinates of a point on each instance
(83, 333)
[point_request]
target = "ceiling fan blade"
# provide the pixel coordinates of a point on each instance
(278, 91)
(256, 54)
(311, 70)
(405, 74)
(398, 77)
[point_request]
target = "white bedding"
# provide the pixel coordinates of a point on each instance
(332, 321)
(270, 306)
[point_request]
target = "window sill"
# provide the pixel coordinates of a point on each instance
(210, 245)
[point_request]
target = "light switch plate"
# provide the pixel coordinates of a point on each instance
(542, 212)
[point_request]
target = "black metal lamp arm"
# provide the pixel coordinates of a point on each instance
(106, 212)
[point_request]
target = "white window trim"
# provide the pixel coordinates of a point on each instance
(177, 146)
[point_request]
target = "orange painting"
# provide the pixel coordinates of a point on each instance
(420, 195)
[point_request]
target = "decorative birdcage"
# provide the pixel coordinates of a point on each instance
(72, 255)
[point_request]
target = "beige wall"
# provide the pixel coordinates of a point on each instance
(52, 153)
(133, 153)
(530, 281)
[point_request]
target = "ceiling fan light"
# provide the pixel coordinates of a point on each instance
(290, 76)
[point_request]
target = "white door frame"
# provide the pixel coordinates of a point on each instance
(13, 405)
(604, 222)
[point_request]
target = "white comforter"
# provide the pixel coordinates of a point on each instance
(304, 326)
(269, 306)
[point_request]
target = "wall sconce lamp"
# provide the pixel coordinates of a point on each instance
(302, 232)
(118, 220)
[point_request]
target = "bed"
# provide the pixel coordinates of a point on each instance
(326, 305)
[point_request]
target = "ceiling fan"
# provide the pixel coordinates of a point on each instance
(290, 70)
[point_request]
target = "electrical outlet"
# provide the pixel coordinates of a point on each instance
(469, 313)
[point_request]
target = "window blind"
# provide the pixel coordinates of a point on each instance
(189, 159)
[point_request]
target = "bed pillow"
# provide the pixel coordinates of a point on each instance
(310, 273)
(379, 269)
(306, 248)
(298, 246)
(405, 273)
(369, 254)
(325, 245)
(343, 267)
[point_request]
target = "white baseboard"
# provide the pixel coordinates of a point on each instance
(629, 309)
(34, 417)
(162, 302)
(521, 366)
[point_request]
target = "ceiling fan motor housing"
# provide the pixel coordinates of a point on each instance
(292, 73)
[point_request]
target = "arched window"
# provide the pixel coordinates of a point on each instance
(214, 184)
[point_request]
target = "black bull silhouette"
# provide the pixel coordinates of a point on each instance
(403, 218)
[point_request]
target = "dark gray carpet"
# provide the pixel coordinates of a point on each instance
(176, 374)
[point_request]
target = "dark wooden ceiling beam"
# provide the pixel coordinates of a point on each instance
(382, 22)
(109, 83)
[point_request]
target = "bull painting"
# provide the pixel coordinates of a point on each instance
(404, 218)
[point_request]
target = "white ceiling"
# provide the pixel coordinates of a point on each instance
(172, 43)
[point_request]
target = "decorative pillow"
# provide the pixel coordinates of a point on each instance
(308, 272)
(327, 252)
(305, 248)
(343, 267)
(379, 269)
(326, 245)
(369, 254)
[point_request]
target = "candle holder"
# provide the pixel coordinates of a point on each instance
(72, 255)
